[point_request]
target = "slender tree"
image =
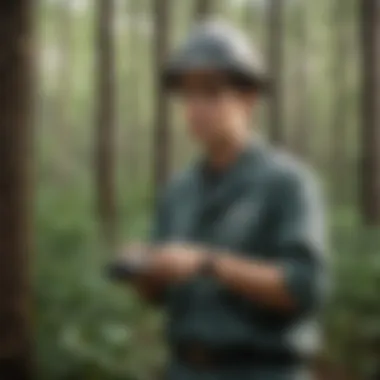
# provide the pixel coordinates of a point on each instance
(370, 128)
(61, 110)
(203, 8)
(339, 127)
(131, 91)
(65, 39)
(15, 188)
(276, 31)
(220, 7)
(162, 130)
(105, 119)
(302, 114)
(251, 16)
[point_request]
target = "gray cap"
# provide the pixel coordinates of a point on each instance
(217, 45)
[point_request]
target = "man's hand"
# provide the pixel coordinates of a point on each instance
(158, 266)
(165, 263)
(176, 262)
(161, 265)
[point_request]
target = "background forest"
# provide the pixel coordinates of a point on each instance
(106, 137)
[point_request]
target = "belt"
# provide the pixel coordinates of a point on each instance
(201, 357)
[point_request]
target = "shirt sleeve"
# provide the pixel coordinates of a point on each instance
(300, 246)
(158, 225)
(158, 234)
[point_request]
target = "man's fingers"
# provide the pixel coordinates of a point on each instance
(133, 250)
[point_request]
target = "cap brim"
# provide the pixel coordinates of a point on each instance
(172, 78)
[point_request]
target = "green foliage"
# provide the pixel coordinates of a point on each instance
(91, 330)
(353, 317)
(87, 327)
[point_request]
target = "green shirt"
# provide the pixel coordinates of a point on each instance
(265, 206)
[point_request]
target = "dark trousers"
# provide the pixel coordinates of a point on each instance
(181, 371)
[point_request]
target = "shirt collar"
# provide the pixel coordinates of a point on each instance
(248, 152)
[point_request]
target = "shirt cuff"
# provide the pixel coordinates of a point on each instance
(301, 283)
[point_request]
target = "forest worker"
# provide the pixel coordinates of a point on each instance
(237, 253)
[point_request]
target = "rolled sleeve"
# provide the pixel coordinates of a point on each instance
(301, 239)
(304, 281)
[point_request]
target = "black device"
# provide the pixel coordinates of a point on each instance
(121, 270)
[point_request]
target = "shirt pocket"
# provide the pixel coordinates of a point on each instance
(240, 224)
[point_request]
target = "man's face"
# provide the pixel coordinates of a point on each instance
(214, 109)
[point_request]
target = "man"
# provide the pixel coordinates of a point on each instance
(237, 250)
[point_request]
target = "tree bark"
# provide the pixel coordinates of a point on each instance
(370, 129)
(105, 113)
(204, 8)
(162, 130)
(62, 111)
(339, 120)
(65, 39)
(15, 188)
(136, 126)
(276, 68)
(303, 128)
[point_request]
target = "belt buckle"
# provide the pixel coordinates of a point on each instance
(199, 357)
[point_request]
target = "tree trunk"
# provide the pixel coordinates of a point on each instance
(204, 8)
(62, 109)
(105, 113)
(303, 128)
(65, 39)
(132, 89)
(162, 130)
(276, 68)
(370, 142)
(252, 19)
(339, 125)
(15, 188)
